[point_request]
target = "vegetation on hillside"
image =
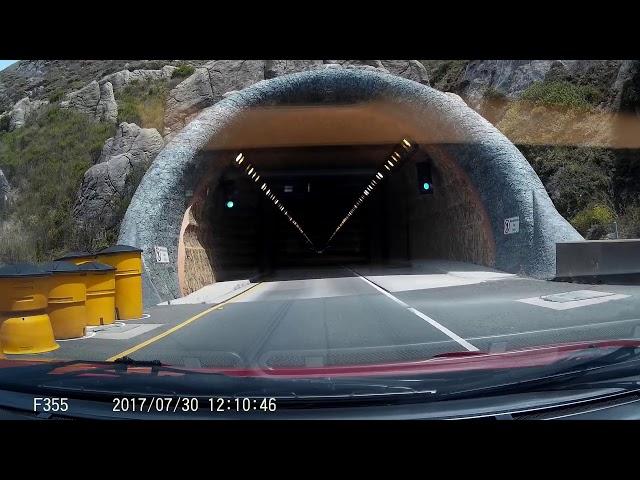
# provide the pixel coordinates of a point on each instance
(45, 162)
(565, 136)
(143, 103)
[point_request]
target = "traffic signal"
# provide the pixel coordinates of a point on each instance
(425, 180)
(229, 193)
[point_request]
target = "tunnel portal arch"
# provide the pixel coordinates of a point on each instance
(499, 181)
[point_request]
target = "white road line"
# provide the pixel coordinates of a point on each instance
(421, 315)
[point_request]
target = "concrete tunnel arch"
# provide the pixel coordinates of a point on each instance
(499, 182)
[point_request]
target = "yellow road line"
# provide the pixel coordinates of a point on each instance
(175, 328)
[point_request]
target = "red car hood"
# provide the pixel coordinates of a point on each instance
(453, 362)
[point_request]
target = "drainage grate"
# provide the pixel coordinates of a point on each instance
(575, 296)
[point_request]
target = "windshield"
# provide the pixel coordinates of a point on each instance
(334, 220)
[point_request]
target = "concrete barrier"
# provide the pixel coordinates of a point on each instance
(597, 258)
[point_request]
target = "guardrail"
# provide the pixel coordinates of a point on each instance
(597, 258)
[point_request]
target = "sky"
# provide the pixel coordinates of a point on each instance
(5, 63)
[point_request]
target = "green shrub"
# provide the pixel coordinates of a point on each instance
(594, 222)
(494, 94)
(183, 71)
(574, 177)
(561, 93)
(4, 123)
(56, 96)
(143, 103)
(629, 222)
(46, 161)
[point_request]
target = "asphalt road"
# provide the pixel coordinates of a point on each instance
(364, 315)
(334, 316)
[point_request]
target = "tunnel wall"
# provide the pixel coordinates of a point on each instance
(503, 179)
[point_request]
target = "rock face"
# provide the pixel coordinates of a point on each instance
(209, 84)
(4, 192)
(95, 100)
(107, 108)
(22, 110)
(124, 159)
(124, 77)
(512, 77)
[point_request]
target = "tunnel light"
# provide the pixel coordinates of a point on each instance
(257, 178)
(385, 166)
(395, 156)
(264, 185)
(239, 158)
(268, 191)
(390, 163)
(250, 170)
(366, 193)
(406, 142)
(379, 175)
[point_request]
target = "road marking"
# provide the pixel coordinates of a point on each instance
(566, 305)
(421, 315)
(175, 328)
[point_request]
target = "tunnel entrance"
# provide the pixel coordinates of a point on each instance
(318, 139)
(242, 217)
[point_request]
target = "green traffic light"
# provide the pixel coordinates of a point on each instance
(230, 204)
(426, 185)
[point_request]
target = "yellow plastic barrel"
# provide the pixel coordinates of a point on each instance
(128, 263)
(25, 327)
(67, 297)
(101, 292)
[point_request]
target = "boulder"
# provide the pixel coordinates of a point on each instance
(125, 157)
(22, 110)
(218, 79)
(124, 77)
(188, 97)
(207, 86)
(277, 68)
(107, 108)
(410, 69)
(96, 100)
(84, 100)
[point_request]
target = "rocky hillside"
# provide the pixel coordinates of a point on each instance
(77, 136)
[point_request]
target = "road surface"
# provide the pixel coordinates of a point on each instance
(355, 315)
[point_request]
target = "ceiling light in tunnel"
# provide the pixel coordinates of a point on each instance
(366, 193)
(264, 185)
(385, 166)
(379, 175)
(250, 169)
(239, 158)
(395, 156)
(406, 142)
(268, 191)
(390, 163)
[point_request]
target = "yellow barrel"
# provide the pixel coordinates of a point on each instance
(25, 326)
(67, 296)
(128, 263)
(101, 292)
(77, 258)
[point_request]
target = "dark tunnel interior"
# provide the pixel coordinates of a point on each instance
(236, 230)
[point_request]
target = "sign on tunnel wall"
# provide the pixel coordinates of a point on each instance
(162, 255)
(511, 225)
